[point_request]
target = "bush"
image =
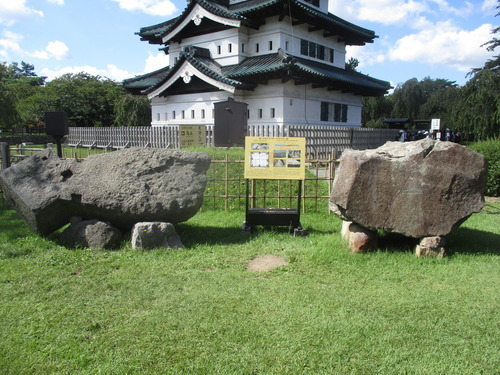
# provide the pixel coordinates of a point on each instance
(491, 151)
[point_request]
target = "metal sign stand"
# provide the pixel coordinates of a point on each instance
(274, 216)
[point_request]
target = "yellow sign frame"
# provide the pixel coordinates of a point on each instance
(275, 158)
(192, 135)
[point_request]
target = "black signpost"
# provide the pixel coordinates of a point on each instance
(56, 125)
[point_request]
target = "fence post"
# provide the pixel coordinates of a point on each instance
(5, 153)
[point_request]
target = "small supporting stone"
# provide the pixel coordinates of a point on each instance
(361, 239)
(156, 234)
(345, 229)
(431, 247)
(93, 234)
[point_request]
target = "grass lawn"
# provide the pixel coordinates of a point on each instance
(199, 311)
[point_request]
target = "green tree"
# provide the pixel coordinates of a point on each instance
(9, 116)
(132, 110)
(88, 100)
(408, 98)
(478, 107)
(352, 64)
(376, 110)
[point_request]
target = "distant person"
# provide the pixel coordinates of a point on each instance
(447, 135)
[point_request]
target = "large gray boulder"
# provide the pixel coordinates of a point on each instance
(122, 187)
(418, 189)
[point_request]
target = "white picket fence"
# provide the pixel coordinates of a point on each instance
(321, 140)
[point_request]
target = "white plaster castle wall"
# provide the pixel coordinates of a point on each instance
(274, 103)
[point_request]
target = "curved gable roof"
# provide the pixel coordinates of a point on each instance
(195, 61)
(252, 13)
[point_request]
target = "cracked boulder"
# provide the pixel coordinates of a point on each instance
(122, 187)
(419, 189)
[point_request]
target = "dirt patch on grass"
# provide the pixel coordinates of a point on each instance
(266, 262)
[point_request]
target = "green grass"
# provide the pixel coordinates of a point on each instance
(199, 311)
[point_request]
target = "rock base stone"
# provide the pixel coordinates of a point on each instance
(361, 239)
(431, 247)
(152, 235)
(93, 234)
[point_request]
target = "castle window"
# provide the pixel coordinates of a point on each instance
(321, 52)
(333, 112)
(257, 48)
(273, 112)
(192, 113)
(202, 113)
(312, 49)
(270, 45)
(158, 117)
(229, 48)
(340, 112)
(242, 47)
(173, 115)
(304, 47)
(183, 114)
(219, 51)
(260, 113)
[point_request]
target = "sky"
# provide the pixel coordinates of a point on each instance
(416, 38)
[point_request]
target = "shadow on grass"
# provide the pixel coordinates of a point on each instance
(462, 241)
(396, 243)
(195, 235)
(472, 241)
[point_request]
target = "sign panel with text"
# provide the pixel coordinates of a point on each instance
(192, 135)
(275, 158)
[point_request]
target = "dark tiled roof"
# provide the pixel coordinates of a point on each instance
(143, 82)
(200, 59)
(307, 71)
(153, 33)
(252, 12)
(272, 66)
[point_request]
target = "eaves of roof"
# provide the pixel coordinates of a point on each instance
(205, 65)
(145, 81)
(253, 10)
(310, 71)
(258, 68)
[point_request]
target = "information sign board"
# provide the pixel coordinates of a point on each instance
(275, 158)
(435, 124)
(192, 135)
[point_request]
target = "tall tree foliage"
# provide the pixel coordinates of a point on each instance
(17, 82)
(88, 100)
(132, 110)
(478, 110)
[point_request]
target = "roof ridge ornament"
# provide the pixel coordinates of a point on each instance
(197, 18)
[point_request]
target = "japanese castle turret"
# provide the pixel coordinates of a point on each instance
(284, 58)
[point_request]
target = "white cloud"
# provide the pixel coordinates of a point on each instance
(366, 55)
(151, 7)
(111, 72)
(155, 62)
(55, 49)
(489, 6)
(382, 11)
(9, 42)
(12, 10)
(58, 2)
(444, 44)
(445, 7)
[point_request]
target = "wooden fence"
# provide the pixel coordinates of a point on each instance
(321, 140)
(226, 187)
